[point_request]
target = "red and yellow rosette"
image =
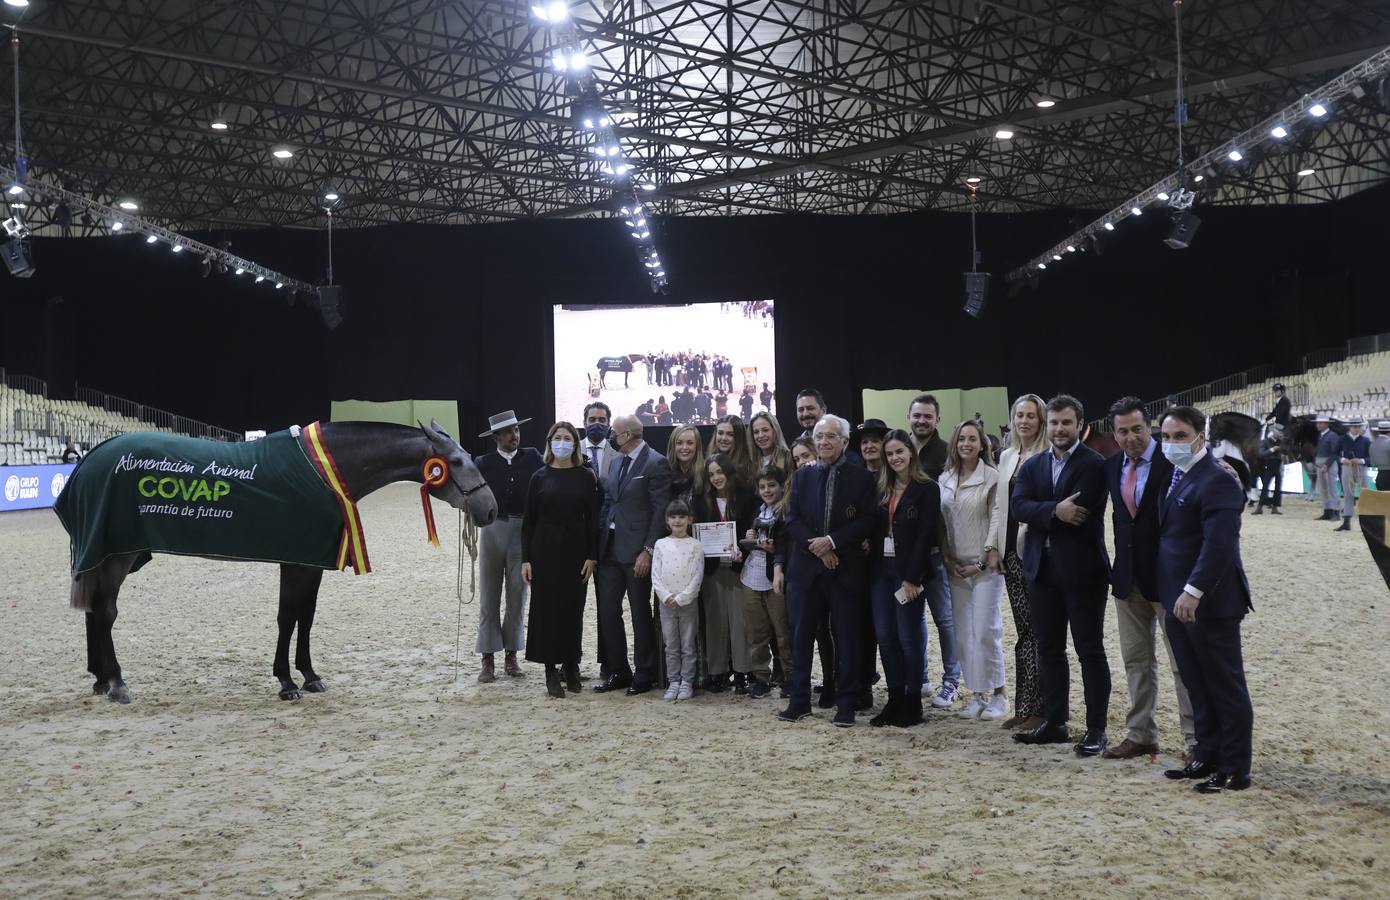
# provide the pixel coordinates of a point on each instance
(435, 473)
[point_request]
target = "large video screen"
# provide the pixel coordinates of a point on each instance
(666, 364)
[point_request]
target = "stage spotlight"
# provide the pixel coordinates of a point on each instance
(282, 153)
(1279, 132)
(646, 186)
(973, 179)
(18, 4)
(260, 278)
(1304, 173)
(1109, 226)
(1003, 134)
(1235, 156)
(1135, 211)
(569, 61)
(1185, 226)
(117, 225)
(218, 125)
(15, 253)
(128, 205)
(239, 270)
(178, 248)
(1163, 195)
(552, 13)
(150, 239)
(1317, 110)
(1199, 179)
(1042, 265)
(1046, 103)
(1071, 248)
(1056, 257)
(331, 197)
(279, 284)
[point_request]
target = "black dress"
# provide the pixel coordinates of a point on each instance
(558, 533)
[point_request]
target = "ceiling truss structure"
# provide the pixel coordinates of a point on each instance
(448, 111)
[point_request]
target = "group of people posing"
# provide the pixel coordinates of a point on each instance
(701, 406)
(857, 544)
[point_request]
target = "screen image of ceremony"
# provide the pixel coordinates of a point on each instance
(666, 364)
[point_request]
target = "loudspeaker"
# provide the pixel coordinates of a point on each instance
(1185, 226)
(328, 305)
(976, 293)
(15, 253)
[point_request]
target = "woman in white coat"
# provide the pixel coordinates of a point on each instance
(1029, 437)
(971, 517)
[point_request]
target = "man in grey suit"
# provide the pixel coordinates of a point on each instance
(633, 517)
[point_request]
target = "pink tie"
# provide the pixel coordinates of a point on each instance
(1127, 491)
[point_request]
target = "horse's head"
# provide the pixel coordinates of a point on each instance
(464, 488)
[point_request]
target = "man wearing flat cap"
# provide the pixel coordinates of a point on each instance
(1355, 450)
(507, 470)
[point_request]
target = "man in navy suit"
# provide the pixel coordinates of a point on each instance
(1061, 496)
(633, 517)
(1136, 479)
(1202, 586)
(833, 511)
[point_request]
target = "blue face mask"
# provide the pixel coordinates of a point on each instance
(1179, 454)
(561, 449)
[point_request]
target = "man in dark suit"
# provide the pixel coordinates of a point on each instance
(1061, 496)
(1136, 478)
(832, 513)
(1202, 586)
(635, 495)
(507, 471)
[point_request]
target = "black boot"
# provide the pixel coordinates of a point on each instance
(827, 696)
(571, 673)
(889, 714)
(909, 710)
(740, 683)
(552, 683)
(1346, 524)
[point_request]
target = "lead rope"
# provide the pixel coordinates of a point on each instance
(468, 540)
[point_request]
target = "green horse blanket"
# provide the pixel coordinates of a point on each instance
(264, 500)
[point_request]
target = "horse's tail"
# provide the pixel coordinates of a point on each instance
(83, 591)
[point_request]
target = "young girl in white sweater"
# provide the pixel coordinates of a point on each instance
(678, 568)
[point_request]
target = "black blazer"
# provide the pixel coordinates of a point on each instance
(915, 524)
(509, 481)
(1136, 538)
(852, 518)
(1076, 552)
(745, 508)
(1199, 542)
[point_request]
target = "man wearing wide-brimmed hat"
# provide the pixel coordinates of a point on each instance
(1356, 453)
(1326, 457)
(508, 470)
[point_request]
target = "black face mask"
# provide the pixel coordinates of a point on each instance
(596, 432)
(613, 442)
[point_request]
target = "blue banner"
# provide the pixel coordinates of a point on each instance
(32, 487)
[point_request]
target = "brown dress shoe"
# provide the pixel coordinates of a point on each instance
(487, 674)
(1128, 749)
(510, 665)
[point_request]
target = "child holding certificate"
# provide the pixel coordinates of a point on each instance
(724, 510)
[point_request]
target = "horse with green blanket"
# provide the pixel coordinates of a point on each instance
(289, 498)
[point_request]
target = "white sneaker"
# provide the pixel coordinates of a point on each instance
(973, 707)
(995, 709)
(927, 690)
(672, 690)
(946, 697)
(687, 690)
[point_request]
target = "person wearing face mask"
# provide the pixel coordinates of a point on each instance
(633, 516)
(507, 470)
(1061, 496)
(1026, 418)
(1205, 595)
(1136, 478)
(559, 551)
(595, 444)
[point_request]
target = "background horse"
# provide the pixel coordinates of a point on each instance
(1300, 442)
(1233, 431)
(368, 456)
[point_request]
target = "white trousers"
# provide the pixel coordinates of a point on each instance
(975, 603)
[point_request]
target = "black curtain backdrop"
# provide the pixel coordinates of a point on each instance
(862, 302)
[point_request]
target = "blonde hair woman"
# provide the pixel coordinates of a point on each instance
(687, 459)
(729, 439)
(1027, 420)
(767, 446)
(968, 489)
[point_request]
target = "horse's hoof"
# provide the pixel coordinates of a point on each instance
(316, 686)
(119, 694)
(101, 687)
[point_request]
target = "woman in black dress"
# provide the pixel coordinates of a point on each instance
(559, 550)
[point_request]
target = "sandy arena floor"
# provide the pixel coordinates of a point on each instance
(402, 781)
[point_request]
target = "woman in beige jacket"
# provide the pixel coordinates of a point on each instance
(971, 518)
(1029, 437)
